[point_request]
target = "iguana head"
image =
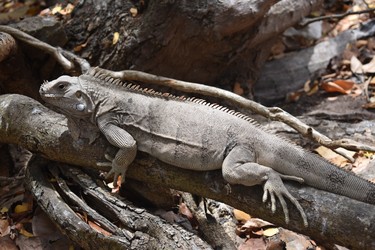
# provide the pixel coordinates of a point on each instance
(68, 96)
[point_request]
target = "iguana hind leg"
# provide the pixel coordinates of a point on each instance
(240, 167)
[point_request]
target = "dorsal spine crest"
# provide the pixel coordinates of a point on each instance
(108, 81)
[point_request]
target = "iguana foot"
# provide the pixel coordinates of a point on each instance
(275, 187)
(115, 169)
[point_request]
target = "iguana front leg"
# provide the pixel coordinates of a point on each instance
(240, 167)
(118, 137)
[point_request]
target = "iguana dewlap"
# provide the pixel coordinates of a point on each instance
(193, 134)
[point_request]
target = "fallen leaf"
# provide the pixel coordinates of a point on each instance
(24, 207)
(80, 47)
(184, 210)
(368, 154)
(331, 87)
(294, 96)
(4, 227)
(241, 216)
(270, 231)
(4, 210)
(253, 226)
(24, 232)
(332, 156)
(356, 65)
(238, 89)
(67, 10)
(99, 229)
(370, 105)
(116, 37)
(338, 86)
(134, 12)
(56, 9)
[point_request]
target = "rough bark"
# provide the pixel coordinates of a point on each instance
(135, 228)
(212, 42)
(22, 66)
(27, 123)
(217, 43)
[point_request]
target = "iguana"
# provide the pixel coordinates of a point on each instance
(193, 134)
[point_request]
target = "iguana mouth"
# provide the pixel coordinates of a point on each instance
(49, 96)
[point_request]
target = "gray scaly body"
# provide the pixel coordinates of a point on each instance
(192, 134)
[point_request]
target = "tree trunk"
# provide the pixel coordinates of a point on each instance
(211, 42)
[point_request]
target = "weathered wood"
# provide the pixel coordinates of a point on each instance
(136, 228)
(26, 122)
(212, 42)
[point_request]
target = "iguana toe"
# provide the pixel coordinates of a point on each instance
(115, 169)
(275, 188)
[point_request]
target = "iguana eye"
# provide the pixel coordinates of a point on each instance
(61, 86)
(78, 94)
(80, 107)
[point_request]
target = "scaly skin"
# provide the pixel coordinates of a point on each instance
(192, 134)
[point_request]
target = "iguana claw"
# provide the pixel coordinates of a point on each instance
(116, 170)
(275, 187)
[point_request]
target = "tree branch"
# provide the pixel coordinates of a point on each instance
(307, 21)
(66, 59)
(29, 124)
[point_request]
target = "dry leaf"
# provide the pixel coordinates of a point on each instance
(4, 210)
(294, 96)
(345, 84)
(370, 105)
(184, 210)
(116, 37)
(56, 9)
(238, 89)
(333, 157)
(25, 233)
(254, 226)
(134, 12)
(313, 90)
(338, 86)
(241, 216)
(331, 87)
(67, 10)
(97, 228)
(4, 227)
(24, 207)
(356, 65)
(270, 231)
(80, 47)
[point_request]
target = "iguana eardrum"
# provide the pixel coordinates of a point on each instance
(193, 134)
